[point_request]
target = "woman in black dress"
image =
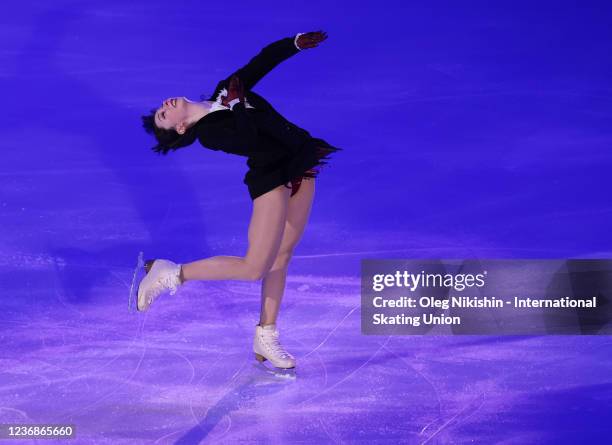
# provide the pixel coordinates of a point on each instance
(283, 162)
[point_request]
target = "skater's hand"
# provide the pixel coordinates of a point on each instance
(235, 90)
(311, 39)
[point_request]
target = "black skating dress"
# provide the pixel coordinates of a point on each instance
(278, 151)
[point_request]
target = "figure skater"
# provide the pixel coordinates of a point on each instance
(283, 162)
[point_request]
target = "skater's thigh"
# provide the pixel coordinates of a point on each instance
(300, 206)
(267, 226)
(298, 212)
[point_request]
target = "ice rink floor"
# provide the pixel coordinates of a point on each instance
(184, 373)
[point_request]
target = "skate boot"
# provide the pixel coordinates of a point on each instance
(162, 276)
(267, 347)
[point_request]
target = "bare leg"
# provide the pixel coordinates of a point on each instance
(265, 235)
(273, 284)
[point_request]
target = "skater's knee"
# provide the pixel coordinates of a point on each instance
(254, 271)
(282, 259)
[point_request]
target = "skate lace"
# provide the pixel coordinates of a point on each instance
(272, 344)
(169, 282)
(165, 281)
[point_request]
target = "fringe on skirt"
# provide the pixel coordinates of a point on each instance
(323, 153)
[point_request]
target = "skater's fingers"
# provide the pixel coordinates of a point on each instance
(317, 35)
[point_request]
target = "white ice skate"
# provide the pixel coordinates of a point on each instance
(267, 347)
(162, 276)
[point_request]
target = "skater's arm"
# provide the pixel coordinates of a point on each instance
(269, 57)
(237, 137)
(240, 138)
(244, 138)
(273, 54)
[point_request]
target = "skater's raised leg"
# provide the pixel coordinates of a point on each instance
(265, 235)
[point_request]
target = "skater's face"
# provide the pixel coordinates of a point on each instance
(173, 114)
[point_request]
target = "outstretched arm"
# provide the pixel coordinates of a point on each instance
(243, 138)
(273, 54)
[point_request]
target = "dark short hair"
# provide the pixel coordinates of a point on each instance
(167, 140)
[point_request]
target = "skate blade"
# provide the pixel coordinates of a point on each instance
(287, 373)
(139, 273)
